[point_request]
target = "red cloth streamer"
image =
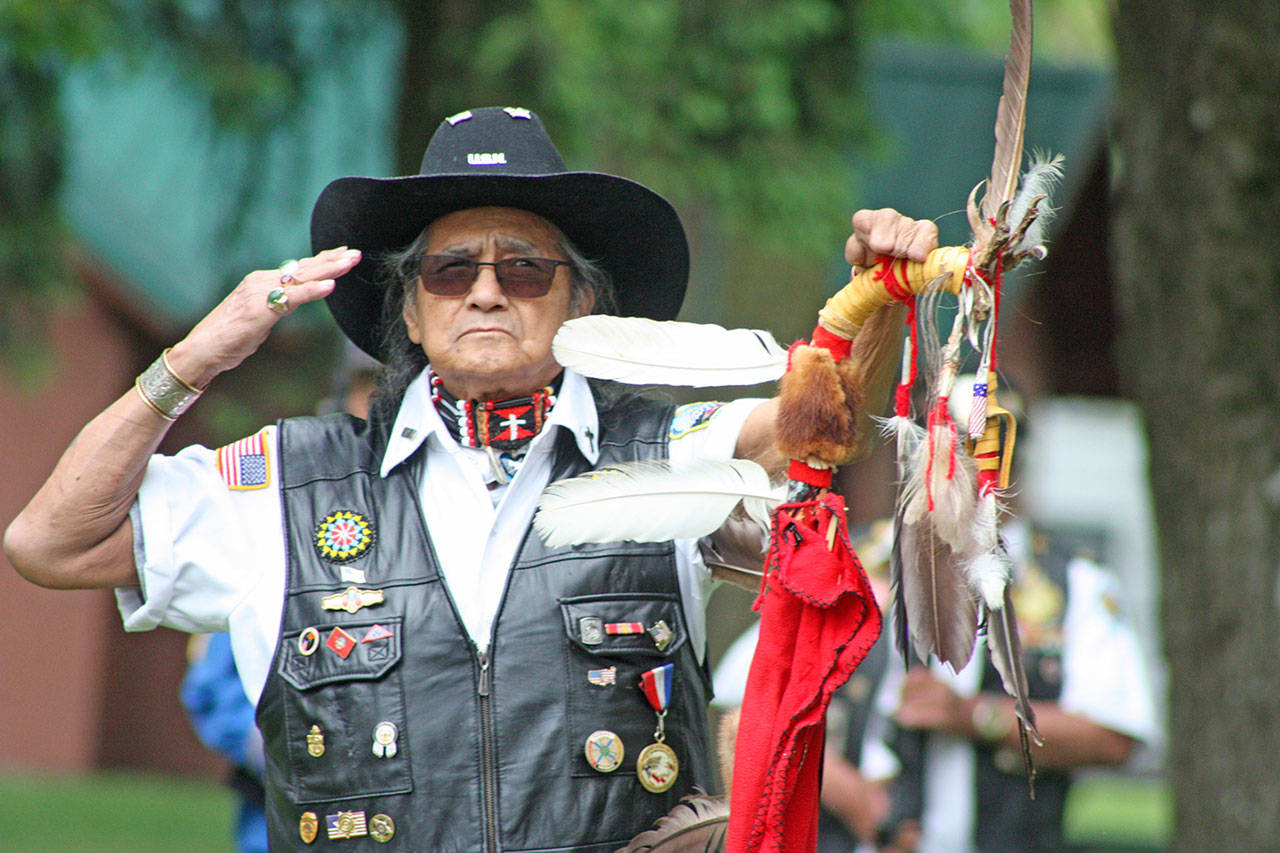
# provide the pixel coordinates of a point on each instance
(818, 620)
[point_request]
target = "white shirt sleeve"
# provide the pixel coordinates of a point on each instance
(1104, 672)
(210, 558)
(702, 431)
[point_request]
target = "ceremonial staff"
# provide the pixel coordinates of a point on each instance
(818, 615)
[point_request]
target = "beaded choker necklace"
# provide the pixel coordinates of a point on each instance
(504, 425)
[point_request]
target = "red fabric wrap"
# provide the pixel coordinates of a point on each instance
(818, 620)
(831, 342)
(802, 472)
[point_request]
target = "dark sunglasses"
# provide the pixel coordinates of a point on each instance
(522, 278)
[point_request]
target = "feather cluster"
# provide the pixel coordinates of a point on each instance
(950, 572)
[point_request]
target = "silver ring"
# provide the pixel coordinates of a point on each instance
(278, 301)
(287, 271)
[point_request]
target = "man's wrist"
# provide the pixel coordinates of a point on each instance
(167, 393)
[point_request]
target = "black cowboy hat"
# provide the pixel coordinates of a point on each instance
(501, 157)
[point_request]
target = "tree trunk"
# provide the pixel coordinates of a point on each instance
(1196, 233)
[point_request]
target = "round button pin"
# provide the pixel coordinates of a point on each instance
(604, 751)
(309, 641)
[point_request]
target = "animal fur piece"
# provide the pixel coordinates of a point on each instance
(818, 407)
(640, 351)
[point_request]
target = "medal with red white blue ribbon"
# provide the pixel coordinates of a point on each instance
(657, 765)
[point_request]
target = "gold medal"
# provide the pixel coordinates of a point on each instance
(382, 828)
(657, 767)
(604, 751)
(308, 827)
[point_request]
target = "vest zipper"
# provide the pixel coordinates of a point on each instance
(489, 775)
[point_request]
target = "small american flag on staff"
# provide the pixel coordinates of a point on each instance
(244, 464)
(978, 411)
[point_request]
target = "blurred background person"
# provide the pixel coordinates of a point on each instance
(223, 718)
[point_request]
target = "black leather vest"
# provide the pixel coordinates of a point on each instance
(488, 750)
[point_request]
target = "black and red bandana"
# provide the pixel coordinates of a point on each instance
(504, 425)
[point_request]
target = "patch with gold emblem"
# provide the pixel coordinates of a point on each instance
(382, 828)
(346, 825)
(343, 535)
(604, 751)
(352, 599)
(308, 827)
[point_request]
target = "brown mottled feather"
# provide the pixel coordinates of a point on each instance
(941, 610)
(696, 824)
(1005, 648)
(1011, 113)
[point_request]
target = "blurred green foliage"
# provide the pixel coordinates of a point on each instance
(746, 113)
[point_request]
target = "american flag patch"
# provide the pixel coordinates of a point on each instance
(245, 464)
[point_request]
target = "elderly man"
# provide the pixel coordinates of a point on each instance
(427, 672)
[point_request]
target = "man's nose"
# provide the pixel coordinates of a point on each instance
(486, 290)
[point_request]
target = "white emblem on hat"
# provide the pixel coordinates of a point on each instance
(498, 158)
(517, 112)
(457, 118)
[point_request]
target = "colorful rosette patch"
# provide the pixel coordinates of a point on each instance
(343, 536)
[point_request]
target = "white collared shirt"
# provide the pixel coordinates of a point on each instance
(212, 558)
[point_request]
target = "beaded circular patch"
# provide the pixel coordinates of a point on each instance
(343, 535)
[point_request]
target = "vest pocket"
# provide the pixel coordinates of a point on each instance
(612, 640)
(344, 712)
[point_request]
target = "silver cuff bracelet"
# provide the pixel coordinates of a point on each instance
(165, 391)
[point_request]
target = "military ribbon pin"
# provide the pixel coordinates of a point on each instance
(657, 765)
